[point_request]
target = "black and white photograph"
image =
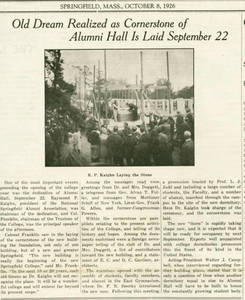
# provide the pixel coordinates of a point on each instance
(119, 107)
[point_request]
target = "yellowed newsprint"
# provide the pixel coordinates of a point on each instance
(122, 146)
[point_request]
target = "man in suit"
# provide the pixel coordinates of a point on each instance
(115, 147)
(187, 150)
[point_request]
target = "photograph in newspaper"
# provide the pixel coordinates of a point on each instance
(119, 107)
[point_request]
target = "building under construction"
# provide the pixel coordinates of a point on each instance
(100, 96)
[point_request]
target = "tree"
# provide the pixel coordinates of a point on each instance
(163, 82)
(57, 91)
(53, 66)
(162, 89)
(186, 93)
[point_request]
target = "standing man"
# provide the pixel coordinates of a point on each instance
(142, 149)
(190, 121)
(187, 150)
(115, 110)
(130, 141)
(115, 147)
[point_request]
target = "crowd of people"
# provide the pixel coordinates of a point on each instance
(162, 142)
(58, 126)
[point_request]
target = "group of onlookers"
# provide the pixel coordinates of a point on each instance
(57, 127)
(162, 142)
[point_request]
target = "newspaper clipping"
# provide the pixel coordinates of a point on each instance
(121, 158)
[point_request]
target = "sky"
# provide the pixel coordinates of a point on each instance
(125, 64)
